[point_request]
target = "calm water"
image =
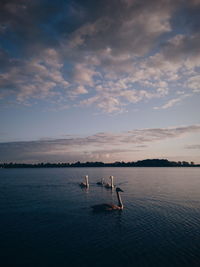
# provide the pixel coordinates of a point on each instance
(46, 219)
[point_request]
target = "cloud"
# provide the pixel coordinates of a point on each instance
(126, 29)
(197, 146)
(183, 49)
(169, 104)
(79, 90)
(194, 83)
(173, 101)
(166, 72)
(90, 147)
(86, 54)
(84, 75)
(36, 78)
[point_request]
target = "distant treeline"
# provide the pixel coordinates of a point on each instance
(140, 163)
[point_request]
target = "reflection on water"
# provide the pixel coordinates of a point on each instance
(47, 220)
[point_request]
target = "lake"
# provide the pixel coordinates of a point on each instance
(46, 218)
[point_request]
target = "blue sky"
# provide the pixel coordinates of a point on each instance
(99, 80)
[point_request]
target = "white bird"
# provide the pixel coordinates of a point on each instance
(111, 185)
(110, 207)
(86, 183)
(101, 182)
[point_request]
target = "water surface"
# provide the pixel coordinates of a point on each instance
(46, 218)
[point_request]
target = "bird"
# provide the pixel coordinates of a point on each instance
(86, 183)
(101, 182)
(111, 185)
(110, 207)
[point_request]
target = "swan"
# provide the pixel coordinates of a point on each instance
(101, 182)
(111, 185)
(110, 207)
(86, 184)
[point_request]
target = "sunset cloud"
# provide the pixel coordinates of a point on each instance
(94, 146)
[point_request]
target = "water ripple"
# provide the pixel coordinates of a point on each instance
(47, 218)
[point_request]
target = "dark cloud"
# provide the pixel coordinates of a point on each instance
(96, 43)
(125, 28)
(182, 47)
(4, 59)
(36, 24)
(187, 17)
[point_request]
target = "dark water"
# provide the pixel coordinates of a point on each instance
(46, 219)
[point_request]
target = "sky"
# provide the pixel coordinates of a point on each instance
(104, 80)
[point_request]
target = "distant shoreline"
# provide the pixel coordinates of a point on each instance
(141, 163)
